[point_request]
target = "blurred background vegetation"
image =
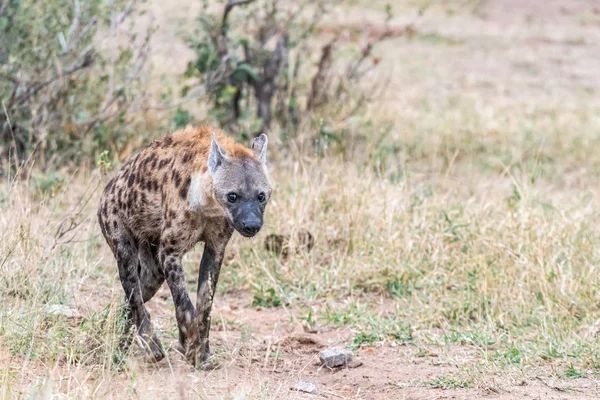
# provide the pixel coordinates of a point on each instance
(74, 77)
(71, 79)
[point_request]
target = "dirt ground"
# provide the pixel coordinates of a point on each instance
(262, 354)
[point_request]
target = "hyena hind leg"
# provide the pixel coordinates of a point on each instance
(149, 271)
(129, 265)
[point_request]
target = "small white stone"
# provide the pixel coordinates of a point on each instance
(335, 357)
(60, 309)
(307, 387)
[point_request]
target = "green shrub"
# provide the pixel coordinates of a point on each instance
(255, 62)
(69, 78)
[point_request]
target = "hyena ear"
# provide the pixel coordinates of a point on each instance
(259, 146)
(216, 157)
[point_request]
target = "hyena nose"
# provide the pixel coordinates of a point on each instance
(251, 227)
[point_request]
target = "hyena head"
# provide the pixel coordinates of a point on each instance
(241, 185)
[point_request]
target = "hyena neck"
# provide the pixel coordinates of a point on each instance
(200, 196)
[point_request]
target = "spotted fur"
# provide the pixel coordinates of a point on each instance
(173, 194)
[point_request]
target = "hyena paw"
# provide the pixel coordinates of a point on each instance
(153, 348)
(204, 361)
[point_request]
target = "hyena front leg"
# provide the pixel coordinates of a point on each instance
(210, 267)
(127, 260)
(208, 276)
(184, 309)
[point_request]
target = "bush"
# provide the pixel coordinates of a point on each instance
(256, 63)
(69, 77)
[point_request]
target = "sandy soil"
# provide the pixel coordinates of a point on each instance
(261, 354)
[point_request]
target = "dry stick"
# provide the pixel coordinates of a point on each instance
(112, 55)
(14, 142)
(62, 229)
(230, 5)
(353, 69)
(3, 7)
(82, 33)
(318, 81)
(125, 13)
(265, 88)
(302, 48)
(74, 24)
(88, 60)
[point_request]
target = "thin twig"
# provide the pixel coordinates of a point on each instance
(88, 60)
(14, 141)
(318, 81)
(3, 7)
(230, 5)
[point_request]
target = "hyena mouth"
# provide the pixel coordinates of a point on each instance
(248, 235)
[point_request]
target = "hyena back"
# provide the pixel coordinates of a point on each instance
(193, 185)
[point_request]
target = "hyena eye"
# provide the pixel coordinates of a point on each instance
(261, 197)
(232, 197)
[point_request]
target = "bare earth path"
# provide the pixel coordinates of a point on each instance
(263, 355)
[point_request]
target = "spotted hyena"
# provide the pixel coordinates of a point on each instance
(195, 185)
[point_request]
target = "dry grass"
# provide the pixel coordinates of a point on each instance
(460, 219)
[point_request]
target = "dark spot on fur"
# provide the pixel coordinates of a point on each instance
(183, 192)
(163, 163)
(172, 214)
(130, 179)
(204, 169)
(109, 186)
(187, 157)
(130, 201)
(115, 224)
(168, 141)
(140, 179)
(176, 178)
(154, 160)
